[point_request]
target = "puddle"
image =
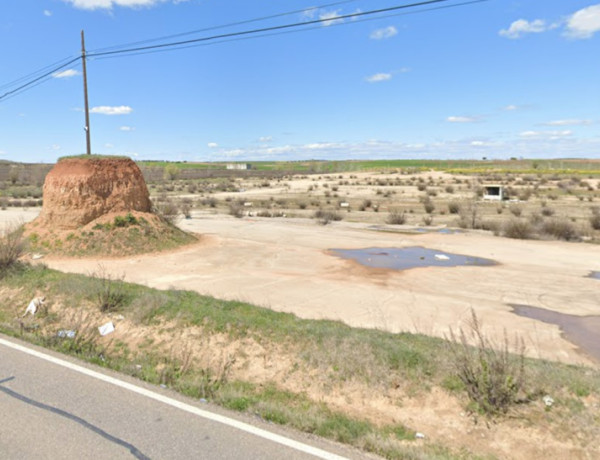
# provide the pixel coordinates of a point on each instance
(583, 331)
(407, 258)
(595, 275)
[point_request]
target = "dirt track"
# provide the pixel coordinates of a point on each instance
(283, 264)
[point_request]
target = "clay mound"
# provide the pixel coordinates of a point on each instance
(79, 190)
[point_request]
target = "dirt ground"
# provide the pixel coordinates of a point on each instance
(284, 264)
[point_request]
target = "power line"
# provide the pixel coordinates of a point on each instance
(32, 74)
(314, 27)
(270, 29)
(232, 36)
(36, 80)
(224, 26)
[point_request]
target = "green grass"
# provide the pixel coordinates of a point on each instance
(338, 353)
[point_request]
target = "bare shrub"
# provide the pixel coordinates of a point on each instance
(236, 210)
(516, 210)
(167, 210)
(493, 376)
(12, 246)
(595, 218)
(325, 217)
(454, 207)
(108, 290)
(561, 229)
(396, 217)
(546, 211)
(428, 206)
(519, 229)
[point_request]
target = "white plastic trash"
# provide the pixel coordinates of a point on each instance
(442, 257)
(107, 328)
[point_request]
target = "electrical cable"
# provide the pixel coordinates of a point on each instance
(272, 28)
(35, 80)
(224, 26)
(314, 27)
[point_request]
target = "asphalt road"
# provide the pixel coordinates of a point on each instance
(55, 407)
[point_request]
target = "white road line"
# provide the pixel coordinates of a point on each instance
(178, 404)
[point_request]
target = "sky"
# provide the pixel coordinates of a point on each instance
(494, 79)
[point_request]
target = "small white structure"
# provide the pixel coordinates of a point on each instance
(242, 166)
(493, 192)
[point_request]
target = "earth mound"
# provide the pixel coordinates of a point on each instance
(99, 206)
(79, 190)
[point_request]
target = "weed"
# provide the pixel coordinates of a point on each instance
(493, 377)
(396, 217)
(12, 247)
(109, 293)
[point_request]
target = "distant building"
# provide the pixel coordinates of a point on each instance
(493, 192)
(243, 166)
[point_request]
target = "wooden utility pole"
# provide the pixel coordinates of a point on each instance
(85, 97)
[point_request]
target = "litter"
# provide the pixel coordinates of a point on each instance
(419, 436)
(441, 257)
(34, 305)
(107, 328)
(548, 400)
(66, 334)
(37, 256)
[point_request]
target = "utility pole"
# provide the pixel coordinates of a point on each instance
(85, 97)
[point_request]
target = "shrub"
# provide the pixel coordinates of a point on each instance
(236, 210)
(516, 210)
(12, 246)
(325, 217)
(428, 206)
(546, 211)
(561, 229)
(595, 219)
(167, 210)
(108, 291)
(454, 207)
(396, 217)
(519, 229)
(492, 376)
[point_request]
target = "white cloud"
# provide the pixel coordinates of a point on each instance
(265, 139)
(107, 110)
(584, 23)
(522, 26)
(108, 4)
(127, 128)
(329, 17)
(461, 119)
(511, 108)
(55, 147)
(572, 122)
(66, 73)
(386, 32)
(552, 135)
(109, 146)
(309, 13)
(212, 145)
(379, 77)
(47, 13)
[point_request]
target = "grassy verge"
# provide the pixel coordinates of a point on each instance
(327, 352)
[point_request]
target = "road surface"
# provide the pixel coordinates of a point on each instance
(55, 407)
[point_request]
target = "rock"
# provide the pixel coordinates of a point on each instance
(79, 190)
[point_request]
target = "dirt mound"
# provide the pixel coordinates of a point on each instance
(79, 190)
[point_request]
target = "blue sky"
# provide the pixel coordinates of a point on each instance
(497, 79)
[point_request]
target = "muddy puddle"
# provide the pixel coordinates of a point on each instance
(583, 331)
(407, 258)
(595, 275)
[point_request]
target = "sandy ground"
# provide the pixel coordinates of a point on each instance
(284, 264)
